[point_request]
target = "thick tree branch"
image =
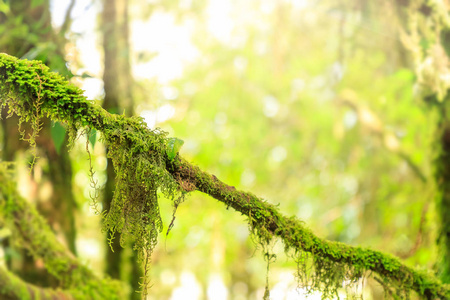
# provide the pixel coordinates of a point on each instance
(14, 288)
(31, 232)
(31, 82)
(298, 238)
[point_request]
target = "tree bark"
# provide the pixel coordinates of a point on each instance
(131, 134)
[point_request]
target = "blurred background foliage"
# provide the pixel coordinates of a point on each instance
(308, 104)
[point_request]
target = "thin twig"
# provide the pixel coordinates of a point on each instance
(67, 19)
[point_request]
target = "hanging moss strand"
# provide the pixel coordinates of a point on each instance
(143, 168)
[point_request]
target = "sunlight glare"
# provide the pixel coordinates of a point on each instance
(189, 288)
(171, 42)
(220, 23)
(217, 289)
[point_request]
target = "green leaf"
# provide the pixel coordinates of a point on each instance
(173, 146)
(58, 133)
(93, 137)
(86, 75)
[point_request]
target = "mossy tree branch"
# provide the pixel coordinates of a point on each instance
(13, 288)
(269, 222)
(143, 165)
(31, 232)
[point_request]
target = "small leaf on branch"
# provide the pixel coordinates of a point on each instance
(92, 137)
(173, 146)
(58, 133)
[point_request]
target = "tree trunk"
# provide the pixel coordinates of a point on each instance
(442, 165)
(117, 81)
(61, 211)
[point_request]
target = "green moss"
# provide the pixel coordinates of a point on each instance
(14, 288)
(322, 265)
(31, 232)
(143, 169)
(138, 154)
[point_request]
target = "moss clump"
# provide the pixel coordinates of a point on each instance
(139, 159)
(143, 168)
(139, 154)
(31, 232)
(31, 91)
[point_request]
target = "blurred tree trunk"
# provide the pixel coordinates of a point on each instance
(37, 40)
(118, 82)
(442, 166)
(111, 104)
(422, 35)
